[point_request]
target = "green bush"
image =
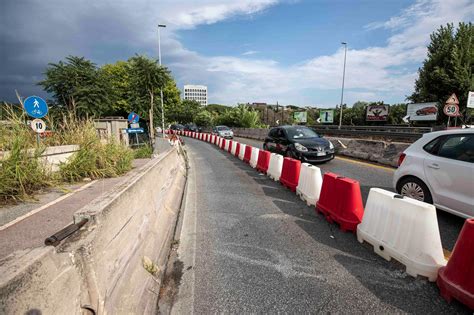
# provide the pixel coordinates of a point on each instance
(96, 159)
(21, 170)
(143, 152)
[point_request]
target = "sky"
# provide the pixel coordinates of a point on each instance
(285, 51)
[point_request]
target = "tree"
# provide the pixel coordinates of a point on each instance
(118, 76)
(147, 77)
(360, 104)
(396, 114)
(77, 85)
(172, 103)
(448, 67)
(204, 119)
(217, 108)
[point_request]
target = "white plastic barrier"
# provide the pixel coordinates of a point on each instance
(309, 185)
(213, 137)
(404, 229)
(220, 142)
(242, 151)
(254, 157)
(275, 166)
(226, 146)
(234, 147)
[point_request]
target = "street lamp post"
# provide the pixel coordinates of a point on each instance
(343, 77)
(161, 88)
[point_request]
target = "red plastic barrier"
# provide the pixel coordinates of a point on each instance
(329, 196)
(247, 154)
(341, 201)
(208, 138)
(223, 144)
(263, 161)
(216, 139)
(290, 173)
(456, 280)
(237, 149)
(229, 149)
(350, 209)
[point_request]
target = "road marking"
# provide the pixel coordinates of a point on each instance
(32, 212)
(386, 168)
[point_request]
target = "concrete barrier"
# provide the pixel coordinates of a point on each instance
(114, 262)
(52, 156)
(383, 152)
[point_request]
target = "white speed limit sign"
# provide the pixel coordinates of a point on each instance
(38, 125)
(451, 110)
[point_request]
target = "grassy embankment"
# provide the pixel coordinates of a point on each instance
(22, 172)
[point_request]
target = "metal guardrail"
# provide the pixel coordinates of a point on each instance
(398, 129)
(387, 132)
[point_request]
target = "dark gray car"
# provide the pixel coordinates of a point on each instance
(300, 143)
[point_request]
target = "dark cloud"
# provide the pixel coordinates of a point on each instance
(35, 33)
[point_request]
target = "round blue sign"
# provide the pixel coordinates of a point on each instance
(133, 118)
(35, 106)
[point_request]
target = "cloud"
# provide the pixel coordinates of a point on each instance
(103, 31)
(372, 73)
(250, 52)
(107, 30)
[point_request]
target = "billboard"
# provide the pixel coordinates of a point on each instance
(300, 117)
(377, 112)
(326, 116)
(422, 111)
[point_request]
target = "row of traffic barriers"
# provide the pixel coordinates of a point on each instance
(397, 227)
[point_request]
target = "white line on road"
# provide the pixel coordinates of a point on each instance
(49, 204)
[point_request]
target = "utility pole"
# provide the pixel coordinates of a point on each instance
(343, 77)
(161, 88)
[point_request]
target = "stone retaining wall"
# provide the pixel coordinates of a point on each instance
(114, 263)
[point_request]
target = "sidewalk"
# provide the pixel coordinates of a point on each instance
(34, 229)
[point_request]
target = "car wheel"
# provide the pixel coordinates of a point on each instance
(414, 188)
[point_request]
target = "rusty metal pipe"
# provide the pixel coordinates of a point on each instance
(56, 238)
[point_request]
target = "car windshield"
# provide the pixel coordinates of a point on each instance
(222, 128)
(301, 133)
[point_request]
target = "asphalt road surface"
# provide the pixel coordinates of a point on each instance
(371, 175)
(247, 244)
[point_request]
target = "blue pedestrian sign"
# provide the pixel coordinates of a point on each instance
(135, 130)
(133, 118)
(35, 106)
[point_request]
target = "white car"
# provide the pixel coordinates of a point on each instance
(223, 131)
(439, 169)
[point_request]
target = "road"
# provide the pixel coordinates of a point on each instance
(371, 175)
(246, 244)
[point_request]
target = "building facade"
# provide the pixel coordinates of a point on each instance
(196, 93)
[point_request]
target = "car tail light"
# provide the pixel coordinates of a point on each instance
(401, 158)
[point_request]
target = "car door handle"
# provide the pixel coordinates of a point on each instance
(434, 166)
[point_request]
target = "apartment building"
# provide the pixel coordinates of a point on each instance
(196, 93)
